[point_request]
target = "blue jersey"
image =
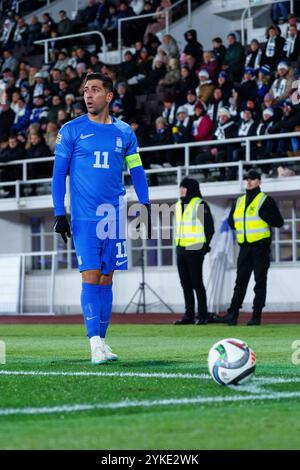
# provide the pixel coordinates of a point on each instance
(95, 155)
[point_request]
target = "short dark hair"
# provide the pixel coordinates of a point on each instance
(107, 81)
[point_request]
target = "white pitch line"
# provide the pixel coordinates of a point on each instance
(154, 375)
(159, 375)
(144, 404)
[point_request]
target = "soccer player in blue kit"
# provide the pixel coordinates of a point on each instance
(93, 148)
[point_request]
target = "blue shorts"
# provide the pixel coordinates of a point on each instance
(108, 254)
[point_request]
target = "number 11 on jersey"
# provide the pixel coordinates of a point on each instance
(101, 156)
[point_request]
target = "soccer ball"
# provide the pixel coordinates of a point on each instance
(231, 362)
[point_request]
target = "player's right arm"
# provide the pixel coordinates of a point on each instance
(63, 154)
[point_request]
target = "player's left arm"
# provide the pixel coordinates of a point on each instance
(137, 172)
(138, 176)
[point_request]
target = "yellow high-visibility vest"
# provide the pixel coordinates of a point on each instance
(189, 229)
(249, 226)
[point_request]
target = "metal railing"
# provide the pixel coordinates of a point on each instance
(46, 42)
(164, 12)
(178, 170)
(247, 11)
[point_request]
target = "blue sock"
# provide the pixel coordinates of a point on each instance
(91, 306)
(106, 306)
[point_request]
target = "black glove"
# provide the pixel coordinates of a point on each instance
(145, 218)
(206, 248)
(62, 226)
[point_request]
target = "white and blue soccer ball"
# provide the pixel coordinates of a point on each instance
(231, 362)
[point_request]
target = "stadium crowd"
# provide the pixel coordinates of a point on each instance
(168, 94)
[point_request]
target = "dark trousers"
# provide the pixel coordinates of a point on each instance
(254, 258)
(190, 272)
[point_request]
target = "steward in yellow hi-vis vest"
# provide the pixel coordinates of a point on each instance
(194, 228)
(249, 226)
(252, 217)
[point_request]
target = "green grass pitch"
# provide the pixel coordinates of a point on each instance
(158, 396)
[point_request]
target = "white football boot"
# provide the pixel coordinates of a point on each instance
(110, 356)
(98, 351)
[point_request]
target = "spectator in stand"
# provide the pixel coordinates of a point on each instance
(289, 121)
(182, 128)
(191, 62)
(219, 50)
(7, 34)
(69, 102)
(291, 48)
(34, 31)
(263, 82)
(62, 118)
(14, 151)
(57, 104)
(193, 47)
(143, 23)
(46, 34)
(149, 83)
(205, 90)
(273, 49)
(117, 109)
(143, 68)
(47, 19)
(7, 117)
(64, 89)
(226, 85)
(247, 89)
(254, 55)
(282, 86)
(87, 16)
(10, 62)
(202, 125)
(21, 78)
(159, 22)
(128, 67)
(38, 85)
(152, 44)
(191, 101)
(185, 83)
(128, 28)
(25, 92)
(269, 102)
(39, 112)
(65, 25)
(50, 136)
(137, 6)
(292, 21)
(169, 109)
(62, 60)
(169, 82)
(264, 148)
(21, 35)
(127, 99)
(110, 25)
(169, 46)
(38, 149)
(234, 58)
(162, 135)
(215, 104)
(95, 62)
(247, 128)
(224, 128)
(140, 133)
(22, 116)
(255, 108)
(211, 65)
(79, 109)
(102, 14)
(14, 100)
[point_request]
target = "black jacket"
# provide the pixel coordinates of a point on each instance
(269, 212)
(193, 47)
(193, 190)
